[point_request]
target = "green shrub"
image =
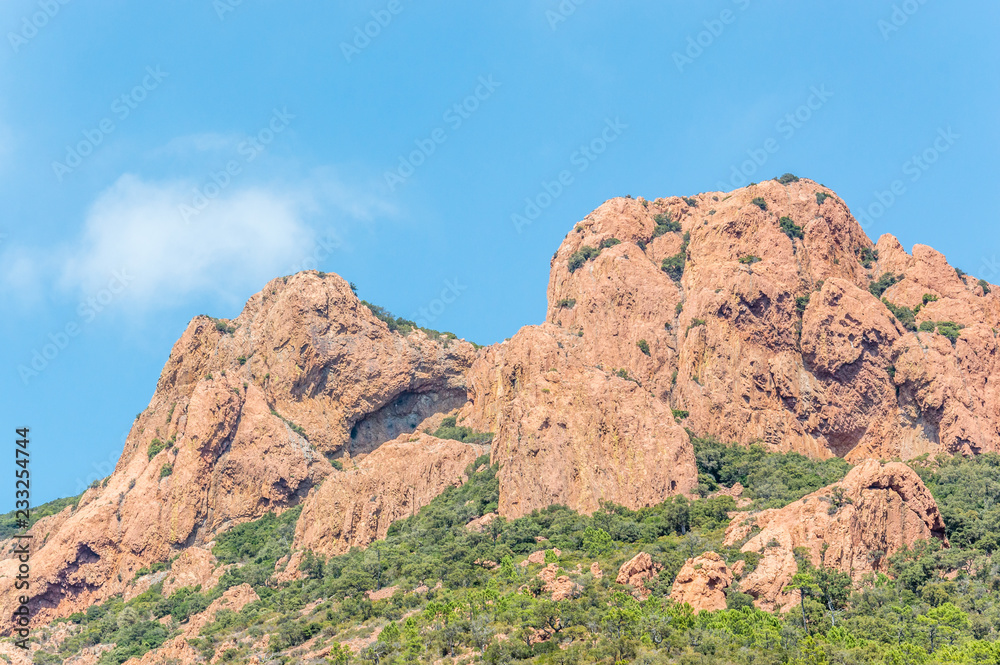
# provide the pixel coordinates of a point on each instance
(749, 259)
(690, 201)
(224, 327)
(927, 326)
(609, 242)
(596, 541)
(155, 446)
(643, 346)
(695, 323)
(879, 287)
(337, 464)
(674, 266)
(903, 314)
(787, 178)
(395, 323)
(665, 224)
(737, 600)
(292, 426)
(166, 470)
(578, 258)
(242, 360)
(790, 228)
(985, 286)
(820, 197)
(772, 479)
(929, 297)
(801, 303)
(450, 429)
(9, 521)
(759, 202)
(679, 415)
(950, 329)
(566, 303)
(867, 256)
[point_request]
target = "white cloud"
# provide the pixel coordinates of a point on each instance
(239, 241)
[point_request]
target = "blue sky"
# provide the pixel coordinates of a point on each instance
(163, 160)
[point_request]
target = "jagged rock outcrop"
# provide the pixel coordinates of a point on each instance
(702, 583)
(636, 571)
(480, 524)
(560, 587)
(573, 433)
(854, 526)
(245, 415)
(357, 506)
(177, 649)
(751, 316)
(195, 567)
(770, 333)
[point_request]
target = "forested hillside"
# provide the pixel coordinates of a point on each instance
(436, 591)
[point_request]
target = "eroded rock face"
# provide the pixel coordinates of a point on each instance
(636, 571)
(702, 583)
(177, 649)
(357, 506)
(853, 526)
(244, 417)
(194, 567)
(765, 336)
(774, 338)
(573, 433)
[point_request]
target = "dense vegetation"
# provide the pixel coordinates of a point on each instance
(449, 429)
(8, 521)
(790, 228)
(938, 605)
(404, 326)
(674, 265)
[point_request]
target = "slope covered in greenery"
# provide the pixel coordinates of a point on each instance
(939, 605)
(8, 521)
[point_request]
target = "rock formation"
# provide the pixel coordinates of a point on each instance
(765, 314)
(702, 583)
(245, 415)
(177, 649)
(569, 432)
(636, 571)
(853, 526)
(770, 331)
(561, 587)
(357, 506)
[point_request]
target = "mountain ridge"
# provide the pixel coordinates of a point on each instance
(750, 316)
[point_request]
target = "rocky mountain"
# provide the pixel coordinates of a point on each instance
(763, 315)
(853, 526)
(246, 418)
